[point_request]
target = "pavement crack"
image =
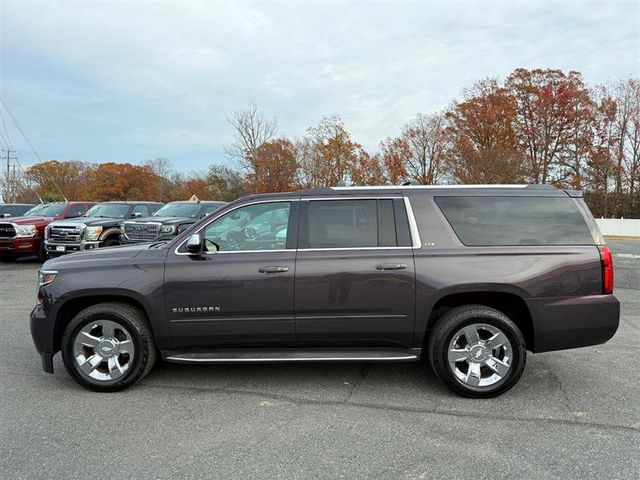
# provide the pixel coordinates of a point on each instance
(364, 370)
(399, 409)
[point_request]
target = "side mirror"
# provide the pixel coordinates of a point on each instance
(194, 244)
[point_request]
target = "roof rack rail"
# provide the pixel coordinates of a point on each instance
(540, 186)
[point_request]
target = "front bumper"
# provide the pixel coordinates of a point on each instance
(570, 322)
(19, 246)
(62, 248)
(43, 335)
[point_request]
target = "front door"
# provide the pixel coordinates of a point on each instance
(242, 295)
(355, 275)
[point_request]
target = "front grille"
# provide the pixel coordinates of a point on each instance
(142, 231)
(65, 234)
(7, 230)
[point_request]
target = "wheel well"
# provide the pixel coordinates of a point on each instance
(71, 308)
(511, 305)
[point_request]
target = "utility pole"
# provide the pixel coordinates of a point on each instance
(9, 182)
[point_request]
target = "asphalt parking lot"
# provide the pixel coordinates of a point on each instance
(574, 414)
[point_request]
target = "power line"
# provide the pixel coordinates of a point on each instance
(26, 139)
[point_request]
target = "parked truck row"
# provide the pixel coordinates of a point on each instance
(53, 229)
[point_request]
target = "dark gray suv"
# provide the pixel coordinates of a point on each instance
(470, 277)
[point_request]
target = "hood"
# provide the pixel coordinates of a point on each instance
(118, 254)
(93, 221)
(164, 220)
(38, 221)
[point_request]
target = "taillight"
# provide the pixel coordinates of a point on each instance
(607, 270)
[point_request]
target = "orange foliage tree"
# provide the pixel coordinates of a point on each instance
(120, 181)
(483, 143)
(274, 167)
(57, 180)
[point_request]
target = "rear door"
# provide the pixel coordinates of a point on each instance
(355, 275)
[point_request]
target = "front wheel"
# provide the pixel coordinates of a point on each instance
(108, 347)
(477, 351)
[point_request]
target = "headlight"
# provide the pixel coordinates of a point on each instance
(93, 233)
(26, 230)
(168, 229)
(45, 277)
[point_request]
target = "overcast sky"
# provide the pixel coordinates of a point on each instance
(121, 82)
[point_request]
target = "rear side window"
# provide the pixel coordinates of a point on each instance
(361, 223)
(487, 221)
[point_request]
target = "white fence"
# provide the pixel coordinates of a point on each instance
(627, 227)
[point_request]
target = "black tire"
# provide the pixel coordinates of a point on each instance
(111, 242)
(7, 259)
(452, 322)
(134, 321)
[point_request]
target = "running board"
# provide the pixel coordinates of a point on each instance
(298, 355)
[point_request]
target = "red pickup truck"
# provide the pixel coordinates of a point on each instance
(22, 236)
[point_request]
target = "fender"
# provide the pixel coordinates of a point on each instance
(425, 302)
(108, 232)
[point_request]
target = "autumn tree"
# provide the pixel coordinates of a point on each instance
(327, 154)
(483, 144)
(545, 115)
(627, 152)
(225, 183)
(418, 153)
(59, 180)
(119, 181)
(367, 169)
(274, 167)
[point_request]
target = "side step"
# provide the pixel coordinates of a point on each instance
(298, 355)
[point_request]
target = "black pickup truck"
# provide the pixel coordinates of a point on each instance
(99, 227)
(167, 222)
(469, 277)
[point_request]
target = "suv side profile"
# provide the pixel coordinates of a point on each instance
(470, 277)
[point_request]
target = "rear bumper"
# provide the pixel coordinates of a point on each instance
(572, 322)
(19, 246)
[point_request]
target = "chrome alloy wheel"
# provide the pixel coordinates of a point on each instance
(103, 350)
(480, 355)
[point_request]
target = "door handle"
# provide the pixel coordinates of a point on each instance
(273, 269)
(391, 266)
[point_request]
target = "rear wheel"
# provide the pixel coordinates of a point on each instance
(108, 347)
(477, 351)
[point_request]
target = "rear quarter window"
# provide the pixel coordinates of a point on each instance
(488, 221)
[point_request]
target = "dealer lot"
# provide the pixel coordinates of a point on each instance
(574, 414)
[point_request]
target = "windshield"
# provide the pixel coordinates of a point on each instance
(46, 210)
(191, 210)
(108, 210)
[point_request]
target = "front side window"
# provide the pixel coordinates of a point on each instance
(75, 210)
(261, 226)
(358, 223)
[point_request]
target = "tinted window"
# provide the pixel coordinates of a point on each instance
(515, 220)
(262, 226)
(212, 207)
